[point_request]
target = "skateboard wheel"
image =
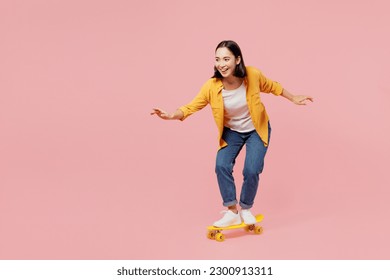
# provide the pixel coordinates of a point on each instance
(250, 228)
(211, 235)
(258, 230)
(219, 237)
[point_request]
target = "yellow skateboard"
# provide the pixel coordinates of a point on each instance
(216, 232)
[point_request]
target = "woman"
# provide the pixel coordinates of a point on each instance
(234, 95)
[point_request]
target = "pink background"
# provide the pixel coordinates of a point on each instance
(87, 173)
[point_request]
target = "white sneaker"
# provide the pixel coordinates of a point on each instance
(229, 219)
(247, 216)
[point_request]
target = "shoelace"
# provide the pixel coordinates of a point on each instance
(224, 212)
(246, 213)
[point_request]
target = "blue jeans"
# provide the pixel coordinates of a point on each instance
(253, 166)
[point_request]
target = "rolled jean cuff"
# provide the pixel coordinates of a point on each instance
(231, 203)
(245, 206)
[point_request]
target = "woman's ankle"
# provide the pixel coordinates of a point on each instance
(233, 208)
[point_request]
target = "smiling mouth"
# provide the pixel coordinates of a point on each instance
(223, 71)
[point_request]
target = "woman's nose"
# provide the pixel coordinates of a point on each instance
(221, 64)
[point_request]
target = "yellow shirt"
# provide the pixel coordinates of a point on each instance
(211, 93)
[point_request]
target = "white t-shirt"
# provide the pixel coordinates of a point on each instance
(236, 114)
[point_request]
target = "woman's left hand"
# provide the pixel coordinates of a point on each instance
(301, 99)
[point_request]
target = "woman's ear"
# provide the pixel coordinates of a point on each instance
(238, 60)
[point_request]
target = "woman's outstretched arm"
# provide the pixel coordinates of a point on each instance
(297, 99)
(177, 115)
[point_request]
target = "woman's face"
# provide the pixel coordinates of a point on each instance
(226, 62)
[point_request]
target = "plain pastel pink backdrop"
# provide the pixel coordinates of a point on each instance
(87, 173)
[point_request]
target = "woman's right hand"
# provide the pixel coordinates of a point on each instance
(161, 113)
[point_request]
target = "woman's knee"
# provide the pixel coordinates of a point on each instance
(251, 172)
(223, 167)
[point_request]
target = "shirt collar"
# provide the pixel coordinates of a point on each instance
(219, 84)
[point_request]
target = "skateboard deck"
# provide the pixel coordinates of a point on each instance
(216, 232)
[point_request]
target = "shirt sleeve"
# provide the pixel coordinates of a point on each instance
(199, 102)
(269, 86)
